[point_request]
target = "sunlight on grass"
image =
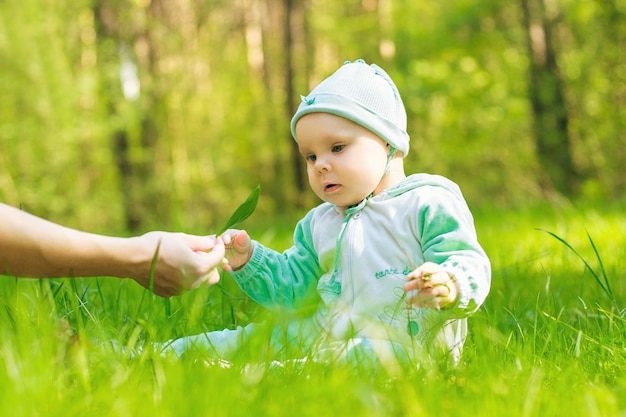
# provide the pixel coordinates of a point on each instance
(548, 341)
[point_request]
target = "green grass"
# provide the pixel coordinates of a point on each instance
(549, 341)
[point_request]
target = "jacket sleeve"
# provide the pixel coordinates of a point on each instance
(285, 279)
(448, 238)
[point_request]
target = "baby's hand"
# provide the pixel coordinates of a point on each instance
(238, 248)
(431, 286)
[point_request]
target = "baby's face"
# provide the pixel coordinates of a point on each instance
(345, 161)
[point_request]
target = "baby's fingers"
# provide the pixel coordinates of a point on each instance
(426, 298)
(237, 240)
(242, 242)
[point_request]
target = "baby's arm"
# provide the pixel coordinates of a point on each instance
(453, 257)
(272, 278)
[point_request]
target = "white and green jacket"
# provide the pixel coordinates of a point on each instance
(358, 260)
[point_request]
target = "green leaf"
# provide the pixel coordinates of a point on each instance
(243, 211)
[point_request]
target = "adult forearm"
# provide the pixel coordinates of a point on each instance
(37, 248)
(34, 247)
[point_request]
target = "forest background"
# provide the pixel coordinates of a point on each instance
(120, 116)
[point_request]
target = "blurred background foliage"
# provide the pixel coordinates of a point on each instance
(125, 115)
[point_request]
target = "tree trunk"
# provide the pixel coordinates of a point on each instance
(294, 22)
(615, 32)
(550, 119)
(141, 199)
(106, 22)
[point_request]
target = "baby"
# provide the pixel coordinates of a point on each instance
(394, 259)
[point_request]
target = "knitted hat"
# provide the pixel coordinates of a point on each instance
(364, 94)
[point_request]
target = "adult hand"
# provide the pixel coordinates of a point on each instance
(182, 262)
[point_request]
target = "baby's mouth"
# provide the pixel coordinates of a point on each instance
(331, 187)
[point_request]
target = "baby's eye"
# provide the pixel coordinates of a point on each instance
(311, 158)
(338, 148)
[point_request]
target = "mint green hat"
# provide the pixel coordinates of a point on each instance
(364, 94)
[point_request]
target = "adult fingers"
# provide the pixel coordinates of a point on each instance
(199, 243)
(211, 261)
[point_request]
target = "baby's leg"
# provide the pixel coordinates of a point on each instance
(220, 344)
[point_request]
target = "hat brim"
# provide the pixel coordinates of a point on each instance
(354, 111)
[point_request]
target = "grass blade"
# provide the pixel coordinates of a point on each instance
(602, 270)
(244, 211)
(604, 285)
